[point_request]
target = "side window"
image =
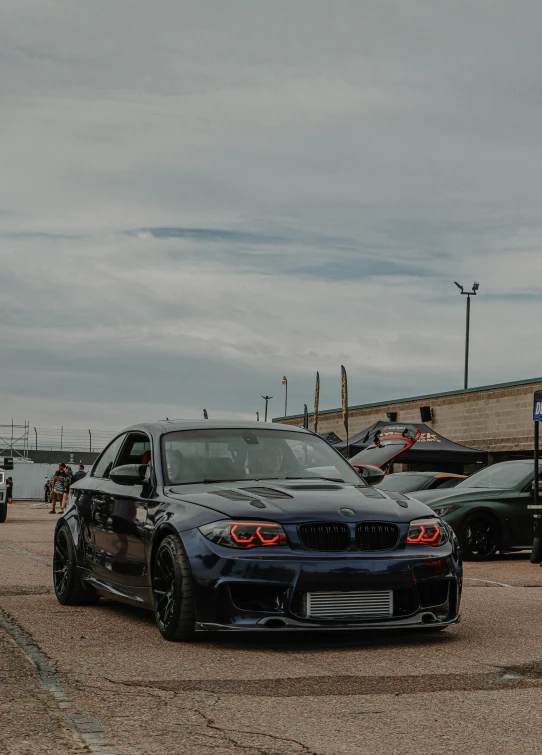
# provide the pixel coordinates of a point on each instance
(107, 459)
(136, 450)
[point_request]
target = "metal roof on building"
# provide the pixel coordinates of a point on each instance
(418, 398)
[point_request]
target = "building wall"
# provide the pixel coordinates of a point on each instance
(493, 418)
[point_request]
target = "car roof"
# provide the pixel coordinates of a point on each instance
(173, 425)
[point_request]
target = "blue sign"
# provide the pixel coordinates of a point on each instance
(537, 409)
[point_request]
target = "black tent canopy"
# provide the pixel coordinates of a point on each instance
(431, 448)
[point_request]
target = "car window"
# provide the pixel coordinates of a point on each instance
(136, 450)
(406, 483)
(503, 476)
(446, 482)
(104, 465)
(193, 456)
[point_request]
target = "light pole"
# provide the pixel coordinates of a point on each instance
(468, 294)
(267, 400)
(285, 384)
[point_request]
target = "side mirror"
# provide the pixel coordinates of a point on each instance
(128, 474)
(371, 475)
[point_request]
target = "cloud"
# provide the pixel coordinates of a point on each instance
(201, 198)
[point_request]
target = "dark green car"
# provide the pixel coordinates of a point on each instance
(489, 511)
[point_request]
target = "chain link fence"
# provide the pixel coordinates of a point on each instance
(21, 438)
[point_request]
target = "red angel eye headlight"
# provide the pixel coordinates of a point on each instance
(425, 532)
(245, 535)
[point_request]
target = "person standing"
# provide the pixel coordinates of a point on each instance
(67, 483)
(47, 490)
(79, 474)
(58, 488)
(9, 490)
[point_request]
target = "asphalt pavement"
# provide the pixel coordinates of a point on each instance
(101, 679)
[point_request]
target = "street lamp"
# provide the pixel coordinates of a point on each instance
(285, 384)
(468, 294)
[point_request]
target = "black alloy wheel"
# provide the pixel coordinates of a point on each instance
(479, 537)
(172, 591)
(68, 587)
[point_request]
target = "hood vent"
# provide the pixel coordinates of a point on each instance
(369, 492)
(269, 493)
(233, 495)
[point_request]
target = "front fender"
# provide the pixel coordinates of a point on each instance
(457, 518)
(71, 518)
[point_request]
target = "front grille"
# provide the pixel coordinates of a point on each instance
(367, 604)
(328, 536)
(376, 536)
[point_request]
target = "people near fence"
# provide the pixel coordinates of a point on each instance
(47, 489)
(80, 473)
(9, 490)
(58, 488)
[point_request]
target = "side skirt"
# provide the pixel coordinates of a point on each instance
(140, 597)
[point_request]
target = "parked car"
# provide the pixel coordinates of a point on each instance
(391, 441)
(408, 482)
(220, 525)
(489, 511)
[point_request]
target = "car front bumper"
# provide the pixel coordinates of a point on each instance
(243, 591)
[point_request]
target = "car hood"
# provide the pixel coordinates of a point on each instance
(453, 495)
(296, 501)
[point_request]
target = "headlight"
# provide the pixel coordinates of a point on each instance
(245, 535)
(446, 508)
(427, 532)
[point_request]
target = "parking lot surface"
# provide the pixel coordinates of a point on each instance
(101, 679)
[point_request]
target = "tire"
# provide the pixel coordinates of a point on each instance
(69, 589)
(479, 537)
(3, 512)
(172, 591)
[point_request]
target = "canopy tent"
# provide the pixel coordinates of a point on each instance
(431, 448)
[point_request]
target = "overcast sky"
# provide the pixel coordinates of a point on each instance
(200, 197)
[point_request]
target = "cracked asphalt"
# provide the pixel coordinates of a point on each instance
(101, 679)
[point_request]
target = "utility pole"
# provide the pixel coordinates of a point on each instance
(468, 294)
(267, 399)
(285, 384)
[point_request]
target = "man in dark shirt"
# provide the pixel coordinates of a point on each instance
(9, 490)
(80, 473)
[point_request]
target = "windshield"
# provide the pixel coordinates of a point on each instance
(403, 483)
(199, 456)
(504, 476)
(378, 455)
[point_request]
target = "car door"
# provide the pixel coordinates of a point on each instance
(121, 534)
(521, 519)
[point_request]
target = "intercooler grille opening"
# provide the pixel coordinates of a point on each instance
(326, 536)
(376, 536)
(366, 604)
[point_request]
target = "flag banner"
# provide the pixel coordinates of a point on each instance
(316, 401)
(306, 418)
(344, 391)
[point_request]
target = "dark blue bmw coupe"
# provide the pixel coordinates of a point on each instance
(251, 526)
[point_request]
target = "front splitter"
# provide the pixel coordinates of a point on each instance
(425, 620)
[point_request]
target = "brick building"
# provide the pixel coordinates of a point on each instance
(493, 418)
